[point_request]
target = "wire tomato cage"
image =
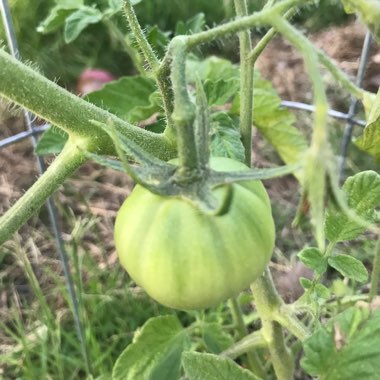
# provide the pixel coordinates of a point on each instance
(32, 131)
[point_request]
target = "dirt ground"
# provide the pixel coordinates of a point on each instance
(104, 189)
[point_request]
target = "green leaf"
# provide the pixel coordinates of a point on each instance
(368, 12)
(58, 15)
(363, 196)
(155, 353)
(221, 91)
(194, 25)
(313, 259)
(349, 267)
(322, 292)
(158, 39)
(348, 347)
(131, 98)
(212, 367)
(275, 122)
(305, 282)
(225, 137)
(369, 141)
(51, 142)
(79, 20)
(212, 69)
(215, 338)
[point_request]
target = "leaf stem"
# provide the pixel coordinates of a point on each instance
(254, 361)
(375, 276)
(161, 76)
(246, 84)
(256, 19)
(267, 302)
(142, 42)
(320, 151)
(68, 161)
(247, 343)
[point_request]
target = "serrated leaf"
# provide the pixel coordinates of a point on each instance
(58, 15)
(212, 367)
(348, 347)
(349, 267)
(363, 196)
(212, 69)
(79, 20)
(131, 98)
(51, 142)
(215, 338)
(158, 39)
(313, 259)
(321, 291)
(306, 283)
(155, 353)
(225, 137)
(193, 25)
(221, 91)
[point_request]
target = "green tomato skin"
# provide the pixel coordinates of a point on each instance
(186, 259)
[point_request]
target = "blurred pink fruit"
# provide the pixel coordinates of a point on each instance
(92, 80)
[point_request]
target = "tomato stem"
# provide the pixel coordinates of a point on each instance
(147, 51)
(267, 301)
(68, 161)
(246, 84)
(254, 361)
(24, 86)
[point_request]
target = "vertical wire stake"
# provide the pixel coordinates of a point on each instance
(353, 106)
(52, 211)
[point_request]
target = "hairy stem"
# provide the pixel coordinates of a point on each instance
(266, 39)
(246, 344)
(256, 19)
(161, 77)
(246, 84)
(319, 152)
(184, 113)
(24, 86)
(268, 302)
(68, 161)
(142, 42)
(375, 276)
(254, 361)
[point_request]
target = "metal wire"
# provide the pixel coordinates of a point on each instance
(52, 211)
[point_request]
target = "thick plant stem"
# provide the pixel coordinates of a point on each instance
(161, 76)
(375, 276)
(246, 84)
(68, 161)
(267, 303)
(26, 87)
(184, 113)
(254, 361)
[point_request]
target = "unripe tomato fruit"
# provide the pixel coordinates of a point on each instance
(187, 259)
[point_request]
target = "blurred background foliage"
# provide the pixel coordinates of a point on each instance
(98, 46)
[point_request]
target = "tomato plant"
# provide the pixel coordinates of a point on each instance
(199, 230)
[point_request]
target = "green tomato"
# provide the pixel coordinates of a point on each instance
(187, 259)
